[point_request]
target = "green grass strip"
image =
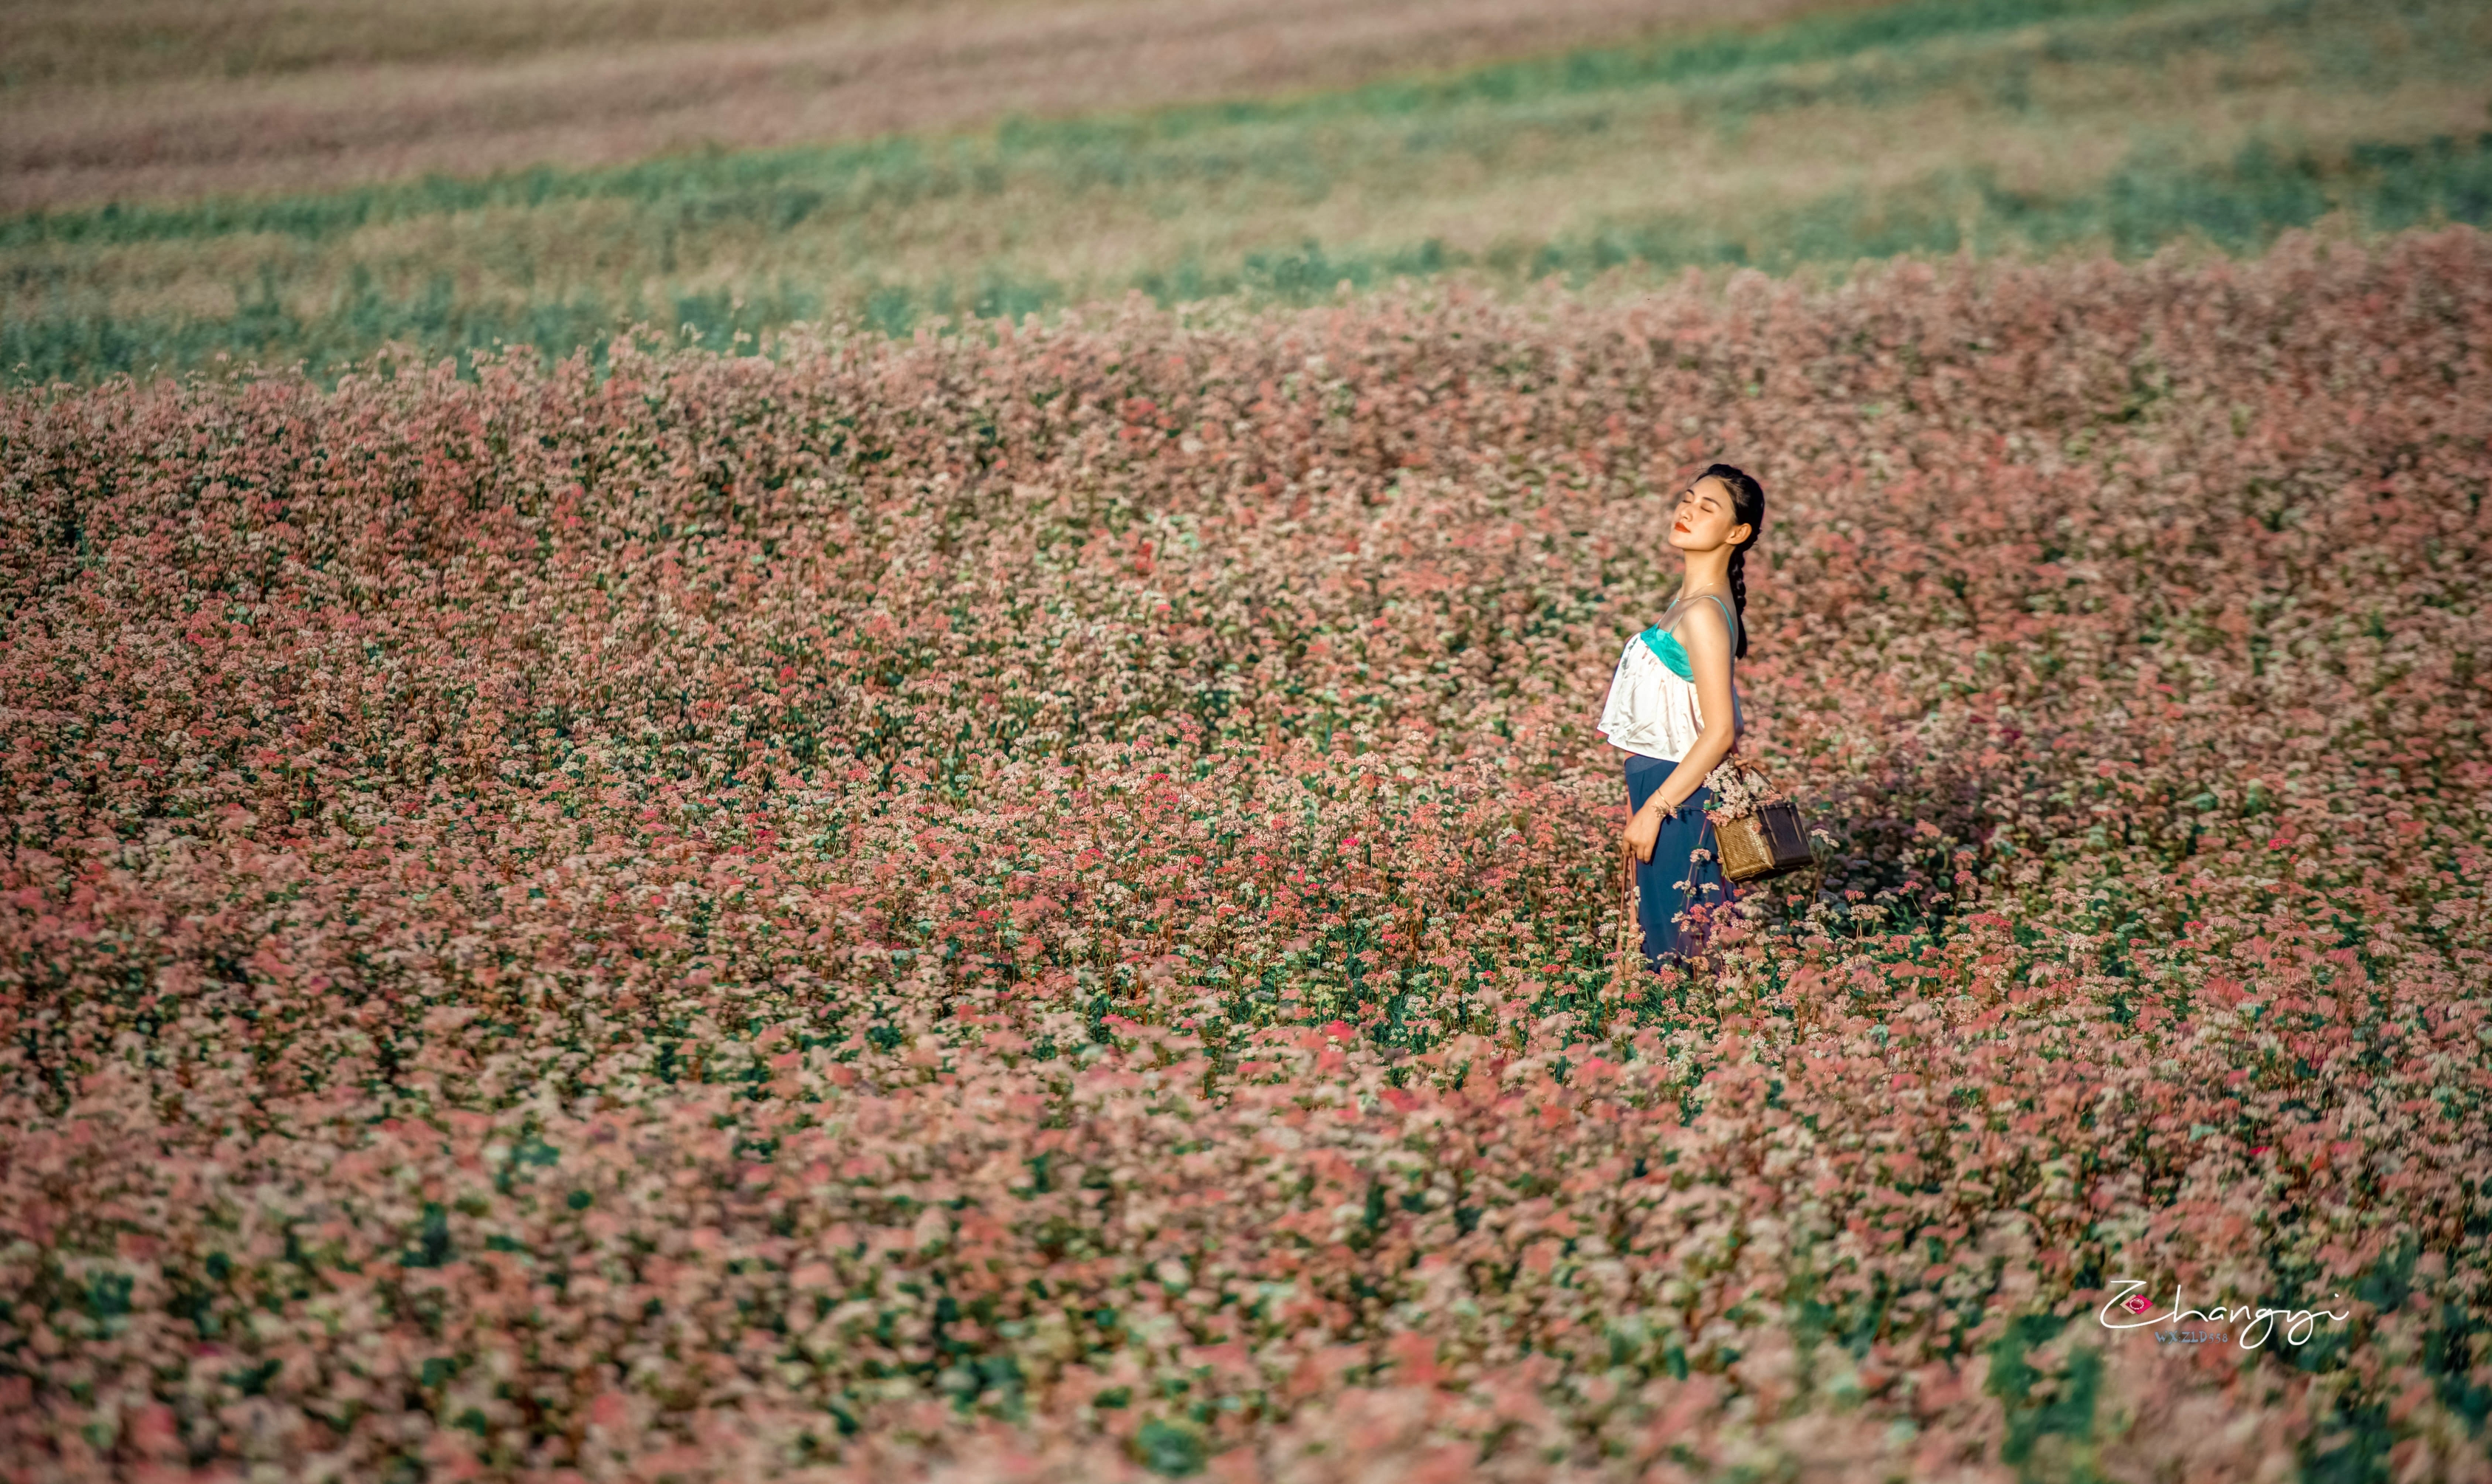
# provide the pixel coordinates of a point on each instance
(2241, 207)
(858, 173)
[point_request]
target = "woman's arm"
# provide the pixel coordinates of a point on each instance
(1707, 640)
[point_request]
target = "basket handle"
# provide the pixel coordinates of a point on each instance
(1620, 974)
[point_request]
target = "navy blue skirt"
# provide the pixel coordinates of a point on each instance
(1676, 892)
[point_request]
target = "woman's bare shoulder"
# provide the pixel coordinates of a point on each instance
(1703, 624)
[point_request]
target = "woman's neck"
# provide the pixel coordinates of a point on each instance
(1707, 572)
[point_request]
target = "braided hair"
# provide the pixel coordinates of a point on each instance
(1748, 507)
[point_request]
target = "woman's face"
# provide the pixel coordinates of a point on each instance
(1704, 518)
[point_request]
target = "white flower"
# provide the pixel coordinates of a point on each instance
(1736, 791)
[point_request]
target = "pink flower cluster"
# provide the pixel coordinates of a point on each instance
(1034, 904)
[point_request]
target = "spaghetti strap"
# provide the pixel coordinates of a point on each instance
(1731, 614)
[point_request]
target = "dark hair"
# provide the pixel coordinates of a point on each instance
(1748, 507)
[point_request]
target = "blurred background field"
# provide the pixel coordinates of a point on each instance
(110, 99)
(284, 183)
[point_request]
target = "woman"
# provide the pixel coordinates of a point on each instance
(1673, 709)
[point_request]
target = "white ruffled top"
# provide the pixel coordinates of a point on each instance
(1651, 709)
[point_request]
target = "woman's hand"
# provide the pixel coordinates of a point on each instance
(1644, 828)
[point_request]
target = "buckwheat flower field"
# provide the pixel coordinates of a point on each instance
(1035, 902)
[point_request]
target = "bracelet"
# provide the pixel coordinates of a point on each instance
(1668, 811)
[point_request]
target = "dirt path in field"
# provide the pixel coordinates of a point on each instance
(132, 99)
